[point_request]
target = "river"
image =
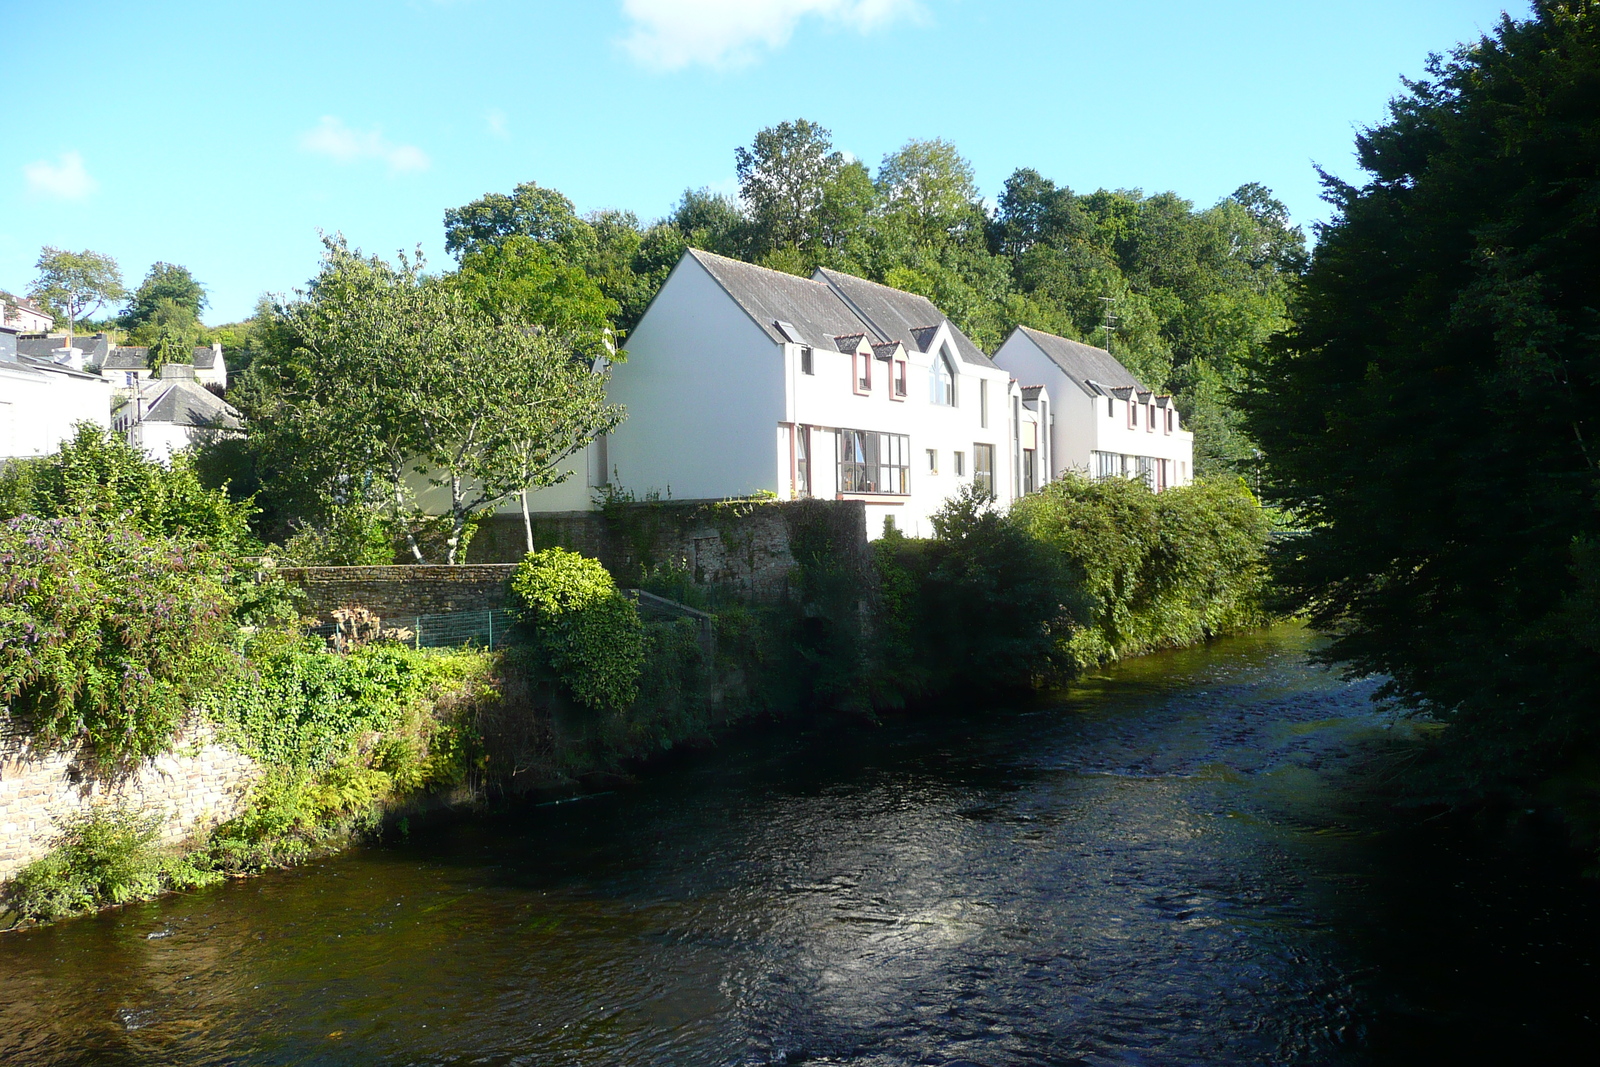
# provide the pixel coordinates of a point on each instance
(1161, 866)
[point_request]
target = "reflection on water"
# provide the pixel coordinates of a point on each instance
(1154, 870)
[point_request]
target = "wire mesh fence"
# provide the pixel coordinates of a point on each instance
(482, 629)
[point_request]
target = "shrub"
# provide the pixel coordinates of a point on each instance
(107, 635)
(1155, 570)
(354, 535)
(105, 857)
(97, 475)
(981, 603)
(587, 632)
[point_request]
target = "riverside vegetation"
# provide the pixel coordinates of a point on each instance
(168, 609)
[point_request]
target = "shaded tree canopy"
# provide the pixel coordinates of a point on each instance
(74, 285)
(164, 283)
(1431, 413)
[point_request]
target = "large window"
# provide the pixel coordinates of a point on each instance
(983, 468)
(942, 380)
(871, 462)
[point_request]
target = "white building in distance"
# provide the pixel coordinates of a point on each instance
(741, 380)
(166, 414)
(1106, 425)
(42, 400)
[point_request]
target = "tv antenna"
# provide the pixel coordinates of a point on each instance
(1110, 326)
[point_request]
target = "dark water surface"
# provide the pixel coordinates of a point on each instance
(1160, 869)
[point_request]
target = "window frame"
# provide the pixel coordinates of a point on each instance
(808, 358)
(861, 373)
(899, 383)
(885, 460)
(983, 473)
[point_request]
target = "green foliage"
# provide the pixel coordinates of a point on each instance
(342, 736)
(98, 476)
(1430, 418)
(167, 288)
(107, 635)
(73, 285)
(105, 857)
(171, 331)
(979, 604)
(587, 631)
(354, 535)
(1155, 570)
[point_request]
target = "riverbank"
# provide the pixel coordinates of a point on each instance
(1157, 863)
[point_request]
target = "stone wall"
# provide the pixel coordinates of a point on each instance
(748, 549)
(197, 784)
(404, 592)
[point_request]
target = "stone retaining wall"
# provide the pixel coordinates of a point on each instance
(193, 787)
(404, 592)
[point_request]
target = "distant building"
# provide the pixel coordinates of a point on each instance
(1106, 424)
(166, 414)
(42, 400)
(23, 315)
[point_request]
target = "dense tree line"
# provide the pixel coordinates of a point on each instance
(1194, 294)
(1430, 417)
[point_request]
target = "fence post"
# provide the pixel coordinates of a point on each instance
(490, 613)
(418, 635)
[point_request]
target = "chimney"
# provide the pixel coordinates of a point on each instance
(177, 370)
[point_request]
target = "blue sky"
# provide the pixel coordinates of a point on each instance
(223, 136)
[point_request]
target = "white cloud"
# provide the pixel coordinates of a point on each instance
(497, 123)
(332, 138)
(673, 34)
(65, 179)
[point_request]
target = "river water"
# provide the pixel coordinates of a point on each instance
(1160, 867)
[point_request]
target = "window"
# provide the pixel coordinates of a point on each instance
(1150, 419)
(942, 380)
(899, 390)
(1111, 407)
(1028, 471)
(983, 468)
(863, 372)
(802, 459)
(871, 462)
(933, 461)
(1133, 414)
(983, 402)
(1169, 420)
(1109, 465)
(806, 365)
(960, 461)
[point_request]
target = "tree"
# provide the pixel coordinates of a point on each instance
(531, 211)
(165, 285)
(171, 331)
(72, 285)
(394, 378)
(783, 180)
(521, 280)
(1430, 416)
(930, 184)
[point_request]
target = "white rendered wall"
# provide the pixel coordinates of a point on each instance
(703, 391)
(39, 408)
(1082, 428)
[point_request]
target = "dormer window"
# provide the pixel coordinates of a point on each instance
(1150, 419)
(1133, 414)
(1169, 420)
(899, 390)
(863, 372)
(942, 379)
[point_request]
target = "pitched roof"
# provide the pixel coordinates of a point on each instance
(123, 357)
(1084, 364)
(188, 403)
(91, 345)
(771, 296)
(830, 305)
(205, 357)
(848, 342)
(896, 316)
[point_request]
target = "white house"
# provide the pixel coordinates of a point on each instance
(741, 380)
(23, 315)
(1106, 424)
(42, 400)
(172, 412)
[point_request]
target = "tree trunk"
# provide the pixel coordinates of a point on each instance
(399, 515)
(458, 520)
(527, 523)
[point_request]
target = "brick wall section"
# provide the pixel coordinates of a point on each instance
(402, 592)
(193, 787)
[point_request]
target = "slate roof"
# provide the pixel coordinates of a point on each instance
(848, 342)
(896, 315)
(1031, 392)
(886, 349)
(53, 367)
(205, 357)
(1085, 364)
(126, 358)
(188, 403)
(93, 346)
(771, 296)
(830, 306)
